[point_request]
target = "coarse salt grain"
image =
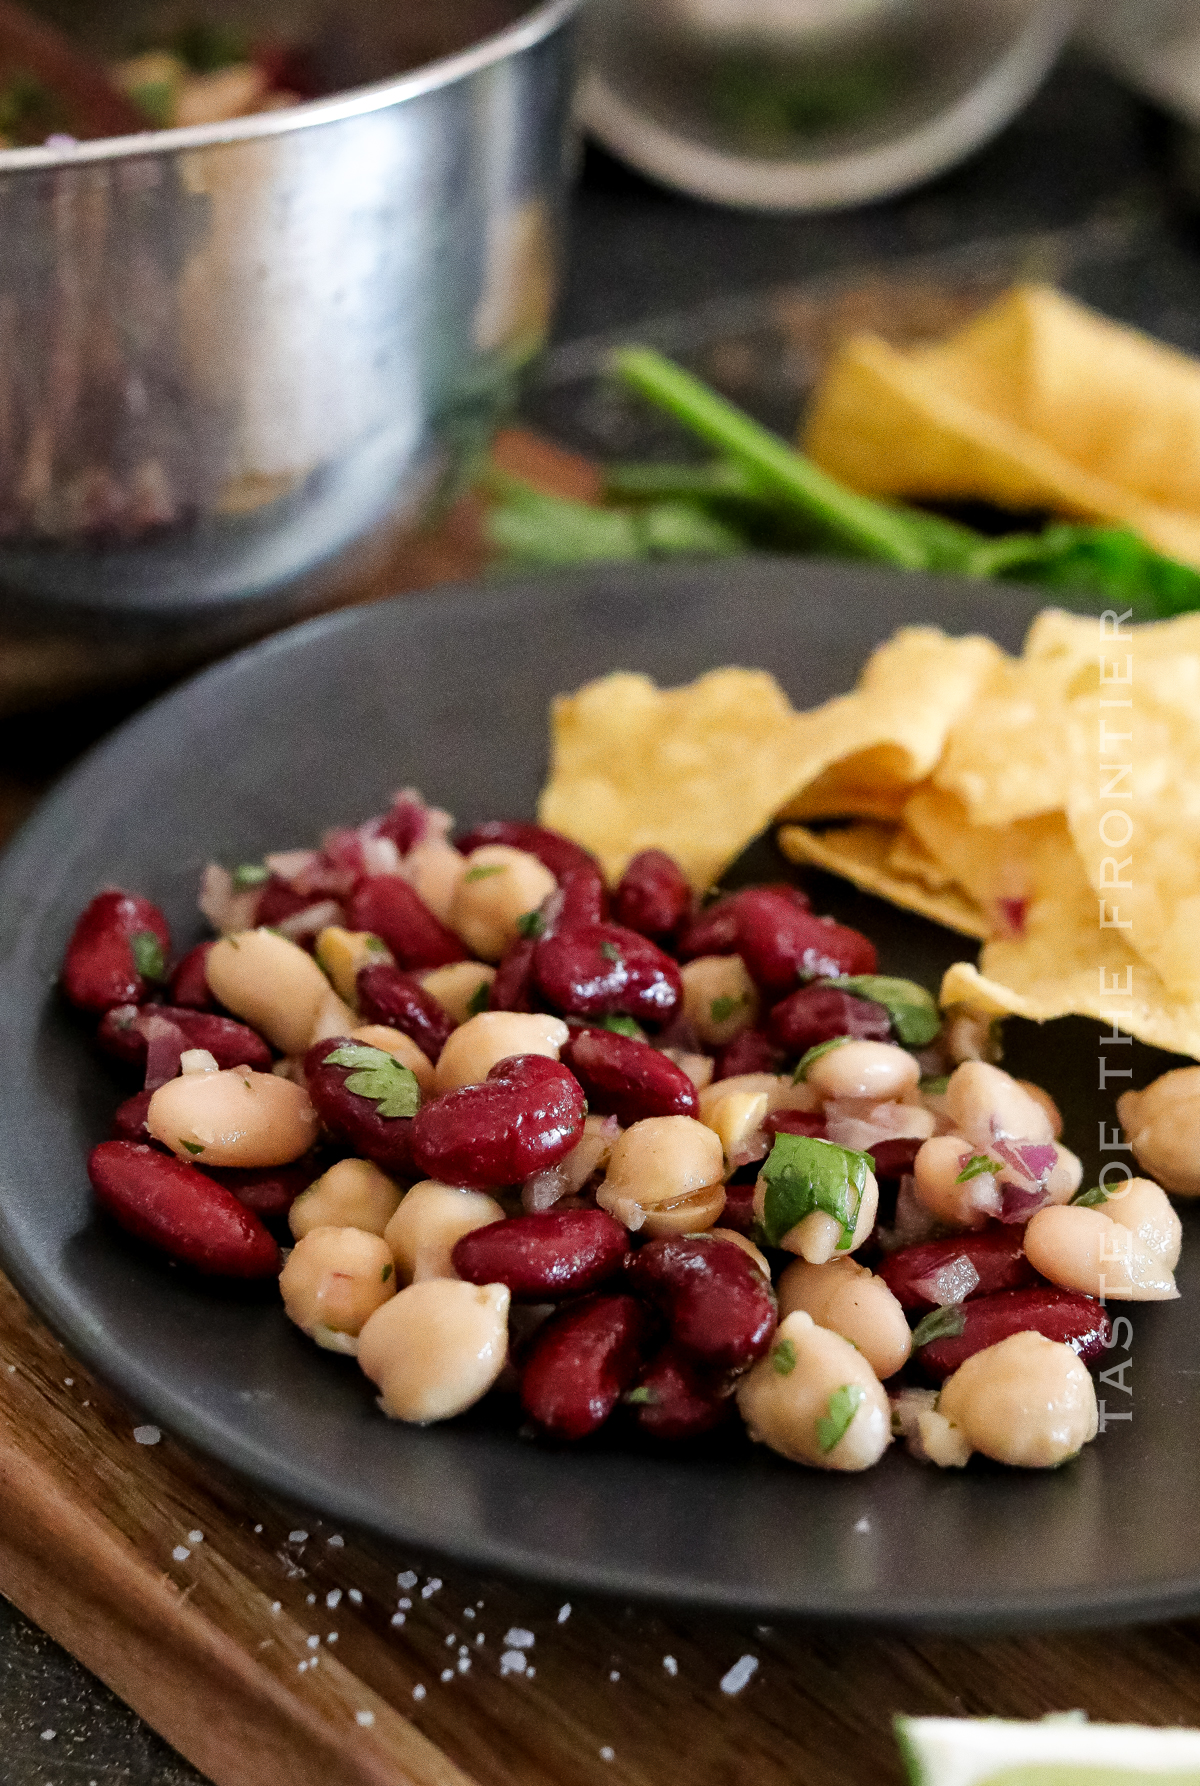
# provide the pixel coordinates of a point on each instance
(408, 1579)
(333, 1598)
(332, 1638)
(431, 1587)
(312, 1642)
(464, 1664)
(862, 1525)
(181, 1553)
(513, 1662)
(614, 1674)
(366, 1719)
(146, 1435)
(450, 1640)
(195, 1537)
(607, 1754)
(564, 1612)
(355, 1597)
(48, 1736)
(447, 1674)
(297, 1537)
(277, 1606)
(310, 1599)
(336, 1542)
(468, 1612)
(479, 1641)
(739, 1675)
(398, 1618)
(418, 1691)
(671, 1665)
(519, 1639)
(257, 1529)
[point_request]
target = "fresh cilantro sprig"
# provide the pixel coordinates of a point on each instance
(843, 1405)
(148, 957)
(939, 1323)
(814, 1055)
(803, 1175)
(912, 1010)
(379, 1077)
(976, 1166)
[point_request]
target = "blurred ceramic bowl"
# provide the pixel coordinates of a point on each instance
(808, 105)
(231, 352)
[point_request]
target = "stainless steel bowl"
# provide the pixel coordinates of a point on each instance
(228, 353)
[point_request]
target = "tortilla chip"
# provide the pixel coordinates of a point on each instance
(1039, 403)
(910, 860)
(1001, 868)
(860, 853)
(1007, 758)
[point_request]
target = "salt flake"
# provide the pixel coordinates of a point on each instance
(146, 1435)
(519, 1639)
(181, 1553)
(366, 1719)
(512, 1662)
(564, 1612)
(739, 1675)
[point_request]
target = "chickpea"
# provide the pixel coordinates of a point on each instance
(985, 1104)
(720, 999)
(693, 1214)
(499, 885)
(430, 1220)
(848, 1299)
(436, 1348)
(1141, 1205)
(457, 987)
(698, 1067)
(334, 1281)
(477, 1045)
(394, 1041)
(1084, 1249)
(818, 1236)
(936, 1171)
(876, 1070)
(1163, 1126)
(1027, 1401)
(271, 984)
(712, 1094)
(352, 1194)
(544, 1189)
(658, 1161)
(234, 1118)
(746, 1245)
(734, 1119)
(435, 868)
(816, 1400)
(341, 953)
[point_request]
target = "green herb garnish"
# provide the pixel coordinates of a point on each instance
(939, 1323)
(378, 1076)
(250, 874)
(484, 871)
(148, 957)
(478, 1001)
(935, 1087)
(192, 1147)
(610, 951)
(803, 1175)
(814, 1055)
(1096, 1198)
(641, 1397)
(531, 925)
(844, 1403)
(385, 1274)
(783, 1358)
(722, 1009)
(913, 1011)
(623, 1026)
(976, 1166)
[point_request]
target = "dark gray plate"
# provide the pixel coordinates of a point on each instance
(449, 692)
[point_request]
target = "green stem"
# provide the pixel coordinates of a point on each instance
(867, 526)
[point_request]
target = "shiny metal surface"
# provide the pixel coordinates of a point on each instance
(230, 352)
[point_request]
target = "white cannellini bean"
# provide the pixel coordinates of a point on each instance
(479, 1044)
(848, 1299)
(428, 1223)
(1142, 1206)
(333, 1282)
(233, 1118)
(1086, 1250)
(936, 1171)
(395, 1042)
(661, 1160)
(436, 1348)
(792, 1399)
(197, 1060)
(499, 885)
(271, 984)
(352, 1194)
(341, 953)
(434, 869)
(876, 1070)
(334, 1018)
(720, 999)
(1163, 1126)
(734, 1119)
(985, 1104)
(1026, 1401)
(456, 986)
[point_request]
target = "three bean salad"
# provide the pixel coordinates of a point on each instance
(619, 1154)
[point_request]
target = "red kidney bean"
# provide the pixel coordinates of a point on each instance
(997, 1254)
(715, 930)
(129, 1118)
(581, 1363)
(626, 1078)
(388, 907)
(280, 901)
(269, 1191)
(552, 849)
(895, 1157)
(576, 903)
(231, 1044)
(188, 984)
(674, 1400)
(794, 1122)
(100, 968)
(561, 1252)
(653, 896)
(738, 1212)
(180, 1210)
(514, 988)
(407, 824)
(751, 1052)
(397, 1000)
(1079, 1321)
(818, 1013)
(715, 1300)
(387, 1140)
(606, 970)
(526, 1115)
(780, 941)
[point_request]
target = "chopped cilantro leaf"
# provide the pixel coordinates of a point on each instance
(814, 1055)
(722, 1009)
(783, 1358)
(623, 1026)
(1093, 1199)
(192, 1147)
(610, 951)
(385, 1274)
(642, 1397)
(844, 1403)
(976, 1166)
(148, 955)
(939, 1323)
(531, 925)
(935, 1087)
(250, 874)
(802, 1175)
(484, 871)
(913, 1011)
(478, 1001)
(375, 945)
(378, 1076)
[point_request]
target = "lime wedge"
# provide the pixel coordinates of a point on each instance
(1063, 1751)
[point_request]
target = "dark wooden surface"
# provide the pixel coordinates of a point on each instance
(90, 1520)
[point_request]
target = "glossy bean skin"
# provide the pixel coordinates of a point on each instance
(1063, 1315)
(751, 1052)
(524, 1117)
(794, 1122)
(388, 996)
(552, 849)
(543, 1257)
(129, 1119)
(653, 896)
(674, 1400)
(514, 988)
(606, 971)
(578, 901)
(188, 984)
(386, 1140)
(715, 929)
(230, 1043)
(715, 1301)
(817, 1014)
(99, 969)
(279, 901)
(895, 1157)
(626, 1078)
(390, 909)
(582, 1361)
(997, 1254)
(781, 942)
(738, 1212)
(269, 1191)
(181, 1211)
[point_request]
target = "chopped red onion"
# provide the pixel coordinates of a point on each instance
(287, 865)
(226, 909)
(312, 919)
(952, 1282)
(1018, 1203)
(165, 1043)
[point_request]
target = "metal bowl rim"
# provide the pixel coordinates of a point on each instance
(523, 34)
